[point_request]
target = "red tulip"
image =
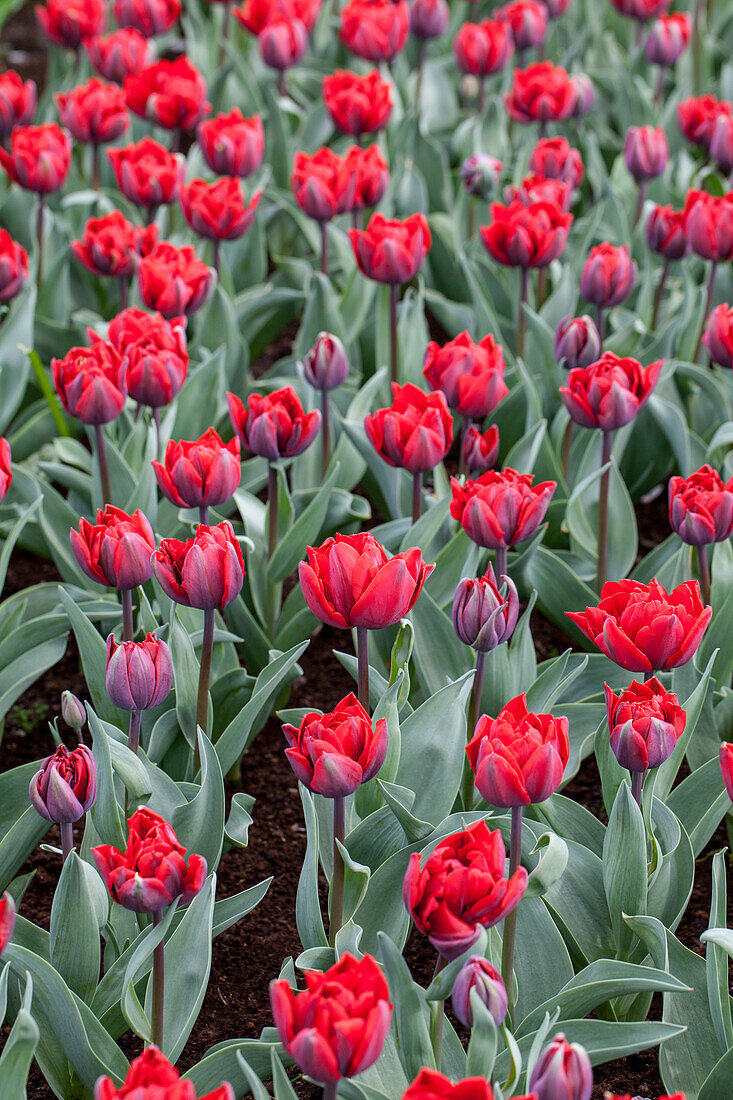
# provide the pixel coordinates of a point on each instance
(282, 42)
(555, 158)
(535, 189)
(470, 375)
(668, 38)
(13, 267)
(111, 246)
(206, 571)
(115, 550)
(39, 157)
(7, 920)
(334, 753)
(726, 766)
(18, 101)
(701, 507)
(542, 92)
(151, 873)
(149, 17)
(66, 785)
(274, 425)
(526, 236)
(709, 225)
(642, 10)
(91, 382)
(119, 54)
(483, 614)
(155, 350)
(482, 49)
(644, 628)
(431, 1085)
(139, 674)
(323, 185)
(256, 14)
(718, 338)
(169, 93)
(527, 20)
(500, 508)
(147, 174)
(696, 117)
(646, 152)
(69, 22)
(201, 473)
(350, 581)
(391, 251)
(665, 232)
(173, 281)
(94, 113)
(645, 723)
(609, 393)
(371, 175)
(152, 1077)
(219, 210)
(232, 145)
(357, 104)
(461, 888)
(6, 473)
(415, 432)
(577, 342)
(480, 450)
(337, 1025)
(609, 275)
(375, 29)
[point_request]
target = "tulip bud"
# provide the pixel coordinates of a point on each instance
(645, 722)
(665, 232)
(326, 365)
(718, 337)
(72, 710)
(721, 144)
(586, 94)
(484, 615)
(282, 42)
(480, 174)
(726, 766)
(478, 974)
(577, 342)
(646, 152)
(428, 18)
(7, 920)
(139, 674)
(480, 450)
(66, 786)
(609, 275)
(668, 38)
(562, 1072)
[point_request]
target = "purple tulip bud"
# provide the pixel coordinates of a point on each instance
(139, 674)
(66, 786)
(563, 1072)
(326, 366)
(586, 94)
(646, 152)
(72, 710)
(480, 174)
(477, 973)
(577, 343)
(428, 18)
(721, 144)
(484, 615)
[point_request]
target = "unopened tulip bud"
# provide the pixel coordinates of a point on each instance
(429, 18)
(326, 366)
(726, 766)
(478, 974)
(646, 152)
(721, 144)
(139, 674)
(66, 786)
(577, 342)
(480, 174)
(563, 1072)
(485, 615)
(586, 94)
(480, 450)
(72, 710)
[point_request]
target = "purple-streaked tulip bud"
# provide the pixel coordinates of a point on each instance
(586, 94)
(66, 786)
(485, 615)
(429, 18)
(480, 450)
(646, 152)
(139, 674)
(478, 973)
(609, 275)
(72, 710)
(721, 144)
(480, 174)
(7, 920)
(562, 1072)
(326, 366)
(577, 343)
(668, 38)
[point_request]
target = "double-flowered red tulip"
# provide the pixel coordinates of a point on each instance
(563, 1070)
(696, 117)
(152, 1077)
(390, 250)
(414, 432)
(608, 276)
(206, 571)
(536, 188)
(115, 550)
(111, 245)
(94, 113)
(337, 1025)
(432, 1085)
(323, 184)
(6, 473)
(66, 785)
(139, 674)
(668, 38)
(7, 919)
(91, 382)
(646, 152)
(526, 236)
(18, 101)
(201, 473)
(718, 337)
(117, 55)
(147, 173)
(357, 104)
(151, 873)
(610, 392)
(485, 615)
(482, 49)
(644, 628)
(527, 20)
(641, 10)
(542, 92)
(375, 29)
(169, 93)
(218, 210)
(477, 975)
(334, 753)
(708, 225)
(155, 352)
(701, 507)
(556, 159)
(173, 280)
(350, 581)
(232, 145)
(256, 14)
(479, 450)
(274, 425)
(500, 508)
(665, 232)
(149, 17)
(371, 175)
(39, 157)
(645, 723)
(13, 267)
(461, 888)
(577, 342)
(69, 22)
(725, 756)
(518, 757)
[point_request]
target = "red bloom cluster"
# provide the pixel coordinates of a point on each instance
(69, 22)
(152, 1077)
(111, 245)
(232, 145)
(201, 473)
(645, 723)
(120, 54)
(219, 210)
(274, 425)
(542, 92)
(91, 382)
(483, 49)
(526, 236)
(39, 157)
(173, 280)
(147, 174)
(206, 571)
(391, 251)
(701, 507)
(155, 352)
(18, 100)
(357, 104)
(169, 93)
(94, 113)
(470, 375)
(116, 550)
(375, 29)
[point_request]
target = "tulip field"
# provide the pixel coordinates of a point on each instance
(366, 577)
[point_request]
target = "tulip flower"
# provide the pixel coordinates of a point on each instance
(646, 153)
(173, 280)
(430, 1084)
(337, 1025)
(428, 19)
(171, 94)
(323, 186)
(534, 189)
(147, 174)
(6, 473)
(139, 676)
(111, 246)
(644, 628)
(371, 176)
(481, 50)
(696, 118)
(480, 174)
(149, 17)
(201, 473)
(7, 919)
(556, 159)
(608, 277)
(645, 723)
(718, 336)
(470, 375)
(73, 711)
(479, 450)
(542, 93)
(665, 234)
(721, 144)
(151, 1075)
(641, 10)
(156, 354)
(64, 789)
(357, 104)
(577, 343)
(69, 22)
(231, 144)
(282, 43)
(18, 102)
(95, 114)
(375, 29)
(527, 20)
(218, 211)
(701, 512)
(563, 1069)
(325, 367)
(726, 766)
(709, 233)
(14, 269)
(119, 54)
(479, 976)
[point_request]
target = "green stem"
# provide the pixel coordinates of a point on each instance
(128, 626)
(602, 571)
(324, 248)
(207, 648)
(96, 173)
(475, 714)
(325, 431)
(637, 780)
(521, 319)
(224, 34)
(133, 736)
(101, 449)
(362, 659)
(436, 1026)
(39, 237)
(601, 324)
(271, 509)
(659, 294)
(704, 567)
(337, 882)
(708, 304)
(416, 496)
(640, 200)
(158, 987)
(501, 569)
(510, 921)
(67, 840)
(394, 365)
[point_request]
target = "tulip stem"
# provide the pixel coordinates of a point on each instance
(567, 443)
(420, 70)
(207, 647)
(394, 366)
(133, 736)
(436, 1026)
(601, 324)
(156, 423)
(696, 46)
(271, 509)
(470, 218)
(416, 496)
(330, 1089)
(659, 90)
(362, 660)
(325, 432)
(324, 248)
(39, 237)
(521, 319)
(128, 625)
(337, 881)
(224, 34)
(101, 448)
(158, 986)
(602, 571)
(481, 97)
(659, 294)
(475, 714)
(204, 515)
(124, 292)
(510, 921)
(501, 568)
(640, 200)
(706, 311)
(216, 252)
(637, 779)
(67, 839)
(703, 565)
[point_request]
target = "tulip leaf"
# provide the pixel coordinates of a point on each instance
(20, 1048)
(411, 1010)
(367, 796)
(185, 676)
(700, 802)
(716, 958)
(551, 866)
(692, 706)
(105, 812)
(304, 531)
(19, 842)
(716, 1085)
(75, 948)
(220, 1063)
(199, 824)
(139, 964)
(307, 905)
(400, 801)
(356, 880)
(624, 865)
(236, 828)
(482, 1045)
(93, 653)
